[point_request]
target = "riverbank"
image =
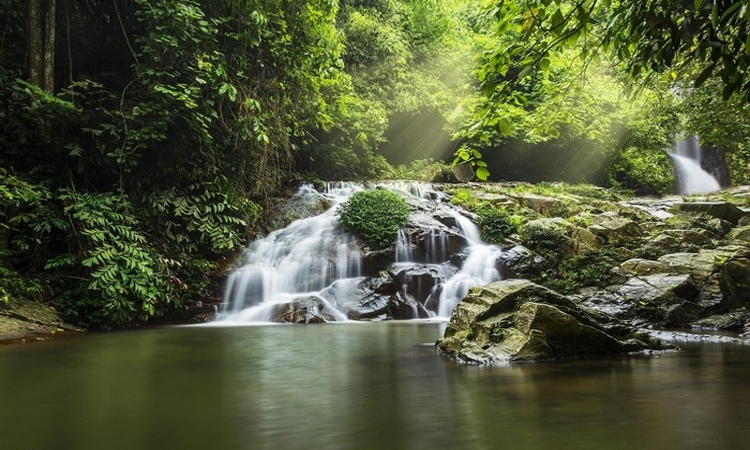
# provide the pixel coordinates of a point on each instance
(27, 321)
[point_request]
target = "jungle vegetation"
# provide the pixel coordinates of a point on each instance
(140, 141)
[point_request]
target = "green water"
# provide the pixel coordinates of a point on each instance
(357, 386)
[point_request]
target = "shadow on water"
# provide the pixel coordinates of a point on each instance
(358, 386)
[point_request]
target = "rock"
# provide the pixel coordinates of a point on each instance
(303, 310)
(722, 275)
(420, 282)
(361, 298)
(519, 262)
(741, 233)
(736, 320)
(578, 239)
(638, 267)
(616, 230)
(404, 307)
(434, 245)
(517, 320)
(720, 210)
(673, 241)
(666, 300)
(307, 202)
(546, 206)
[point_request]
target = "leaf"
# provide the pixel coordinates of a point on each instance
(703, 76)
(544, 64)
(504, 127)
(482, 173)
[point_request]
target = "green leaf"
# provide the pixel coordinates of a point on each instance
(482, 173)
(544, 64)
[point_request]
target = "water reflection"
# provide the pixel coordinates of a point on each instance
(357, 386)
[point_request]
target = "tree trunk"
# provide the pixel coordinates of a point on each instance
(49, 47)
(36, 43)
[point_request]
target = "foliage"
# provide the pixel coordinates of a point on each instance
(720, 123)
(644, 172)
(127, 278)
(545, 51)
(424, 170)
(14, 286)
(551, 243)
(591, 268)
(496, 224)
(374, 215)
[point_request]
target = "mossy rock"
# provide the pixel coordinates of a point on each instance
(517, 320)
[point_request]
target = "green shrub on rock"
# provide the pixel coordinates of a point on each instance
(375, 216)
(496, 224)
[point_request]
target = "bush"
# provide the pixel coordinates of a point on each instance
(551, 243)
(375, 216)
(496, 224)
(645, 172)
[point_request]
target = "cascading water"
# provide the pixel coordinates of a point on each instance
(479, 268)
(297, 261)
(691, 178)
(313, 258)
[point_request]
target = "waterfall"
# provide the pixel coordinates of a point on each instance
(691, 178)
(313, 258)
(479, 268)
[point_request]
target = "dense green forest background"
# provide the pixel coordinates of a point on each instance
(141, 141)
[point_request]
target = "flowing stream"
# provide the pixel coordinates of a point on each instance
(691, 177)
(313, 258)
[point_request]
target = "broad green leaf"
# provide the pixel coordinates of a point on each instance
(482, 173)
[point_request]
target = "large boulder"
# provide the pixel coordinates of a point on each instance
(361, 298)
(720, 210)
(663, 299)
(722, 275)
(616, 230)
(517, 320)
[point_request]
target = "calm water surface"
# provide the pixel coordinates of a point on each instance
(357, 386)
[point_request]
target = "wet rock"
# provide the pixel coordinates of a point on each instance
(361, 298)
(307, 202)
(303, 310)
(434, 245)
(420, 282)
(722, 274)
(404, 307)
(736, 320)
(375, 261)
(519, 262)
(720, 210)
(517, 320)
(667, 300)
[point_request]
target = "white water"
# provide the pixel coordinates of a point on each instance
(314, 257)
(297, 261)
(691, 177)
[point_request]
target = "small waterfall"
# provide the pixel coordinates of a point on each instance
(315, 258)
(297, 261)
(480, 267)
(691, 178)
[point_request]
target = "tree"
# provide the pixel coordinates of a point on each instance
(42, 33)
